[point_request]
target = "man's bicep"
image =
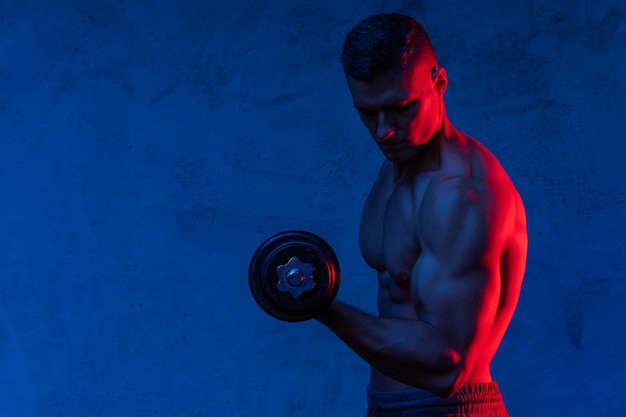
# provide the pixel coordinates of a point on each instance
(456, 279)
(462, 305)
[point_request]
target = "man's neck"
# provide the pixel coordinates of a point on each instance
(427, 159)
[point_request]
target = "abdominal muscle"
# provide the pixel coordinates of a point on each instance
(394, 301)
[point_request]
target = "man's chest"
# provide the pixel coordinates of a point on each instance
(390, 226)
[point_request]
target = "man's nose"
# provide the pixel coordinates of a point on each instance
(385, 128)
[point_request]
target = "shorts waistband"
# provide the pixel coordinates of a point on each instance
(485, 389)
(481, 399)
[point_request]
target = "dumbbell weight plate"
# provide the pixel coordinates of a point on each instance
(299, 253)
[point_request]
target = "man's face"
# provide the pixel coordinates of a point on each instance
(401, 109)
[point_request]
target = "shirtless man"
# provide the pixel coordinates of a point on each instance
(444, 227)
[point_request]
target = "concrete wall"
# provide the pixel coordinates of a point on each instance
(146, 150)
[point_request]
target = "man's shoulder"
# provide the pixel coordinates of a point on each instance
(489, 202)
(454, 191)
(467, 164)
(470, 177)
(471, 191)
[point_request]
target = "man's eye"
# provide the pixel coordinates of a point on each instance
(402, 109)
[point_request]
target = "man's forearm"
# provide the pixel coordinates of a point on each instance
(409, 351)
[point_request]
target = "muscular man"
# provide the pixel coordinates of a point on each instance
(443, 226)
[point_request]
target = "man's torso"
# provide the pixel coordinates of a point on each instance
(393, 221)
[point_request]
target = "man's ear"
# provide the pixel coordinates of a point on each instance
(440, 80)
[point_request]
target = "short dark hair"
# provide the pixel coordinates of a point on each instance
(384, 42)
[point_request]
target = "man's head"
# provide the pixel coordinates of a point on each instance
(396, 83)
(384, 42)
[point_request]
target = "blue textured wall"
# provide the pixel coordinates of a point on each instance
(147, 149)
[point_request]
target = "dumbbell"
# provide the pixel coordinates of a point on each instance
(294, 275)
